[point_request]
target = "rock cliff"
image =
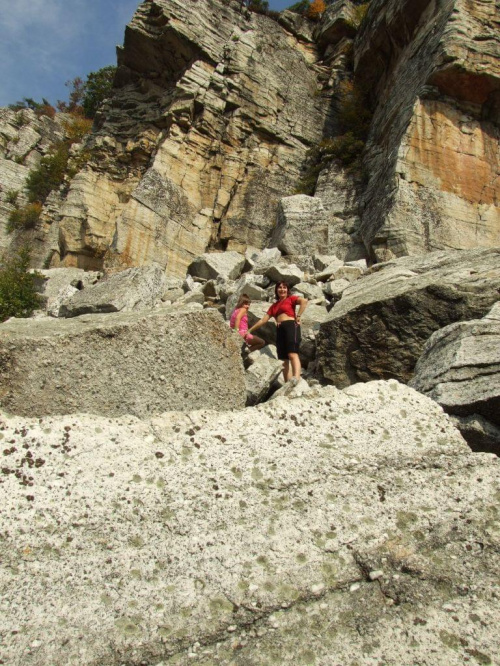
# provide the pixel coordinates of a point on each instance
(215, 115)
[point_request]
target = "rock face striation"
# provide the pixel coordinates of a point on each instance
(216, 117)
(433, 150)
(460, 369)
(236, 538)
(379, 327)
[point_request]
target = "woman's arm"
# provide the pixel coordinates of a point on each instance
(302, 306)
(259, 323)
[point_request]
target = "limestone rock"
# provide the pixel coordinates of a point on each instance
(132, 289)
(288, 273)
(433, 151)
(123, 363)
(115, 535)
(301, 226)
(212, 265)
(460, 368)
(207, 129)
(380, 325)
(260, 376)
(266, 259)
(59, 284)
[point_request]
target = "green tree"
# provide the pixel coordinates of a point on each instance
(18, 297)
(97, 87)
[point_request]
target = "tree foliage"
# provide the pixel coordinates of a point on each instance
(316, 9)
(18, 297)
(85, 97)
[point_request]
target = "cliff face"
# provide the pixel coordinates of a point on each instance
(214, 111)
(210, 124)
(433, 152)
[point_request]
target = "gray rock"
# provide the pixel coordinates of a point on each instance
(335, 288)
(212, 265)
(309, 291)
(267, 332)
(131, 289)
(301, 226)
(57, 285)
(260, 376)
(479, 433)
(322, 261)
(290, 274)
(124, 363)
(266, 259)
(460, 369)
(380, 325)
(262, 524)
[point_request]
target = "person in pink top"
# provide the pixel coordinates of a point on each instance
(239, 321)
(288, 335)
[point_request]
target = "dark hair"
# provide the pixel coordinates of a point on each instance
(278, 284)
(244, 300)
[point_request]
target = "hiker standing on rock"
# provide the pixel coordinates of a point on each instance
(239, 321)
(288, 322)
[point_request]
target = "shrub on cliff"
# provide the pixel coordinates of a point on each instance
(18, 297)
(43, 108)
(25, 217)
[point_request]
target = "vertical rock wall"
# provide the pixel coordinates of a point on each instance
(214, 112)
(433, 156)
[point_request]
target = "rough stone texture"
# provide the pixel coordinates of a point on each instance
(132, 289)
(301, 227)
(260, 376)
(209, 125)
(332, 528)
(288, 273)
(433, 151)
(339, 193)
(123, 363)
(378, 328)
(460, 368)
(58, 284)
(213, 265)
(24, 140)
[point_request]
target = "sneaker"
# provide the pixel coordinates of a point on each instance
(294, 381)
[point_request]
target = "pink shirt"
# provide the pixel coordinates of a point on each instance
(243, 322)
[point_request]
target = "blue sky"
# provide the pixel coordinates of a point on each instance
(44, 43)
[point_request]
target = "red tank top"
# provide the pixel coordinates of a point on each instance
(287, 307)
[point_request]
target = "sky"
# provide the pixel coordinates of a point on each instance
(45, 43)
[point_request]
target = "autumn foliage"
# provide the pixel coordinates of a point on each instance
(316, 9)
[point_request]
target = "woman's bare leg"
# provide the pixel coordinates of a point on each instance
(296, 367)
(286, 370)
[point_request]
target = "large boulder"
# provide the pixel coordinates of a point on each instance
(379, 326)
(124, 363)
(213, 265)
(131, 289)
(460, 369)
(312, 530)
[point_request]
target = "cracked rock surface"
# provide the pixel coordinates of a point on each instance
(337, 526)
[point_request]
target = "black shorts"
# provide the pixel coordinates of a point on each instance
(288, 339)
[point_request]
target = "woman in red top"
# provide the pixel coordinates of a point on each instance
(288, 336)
